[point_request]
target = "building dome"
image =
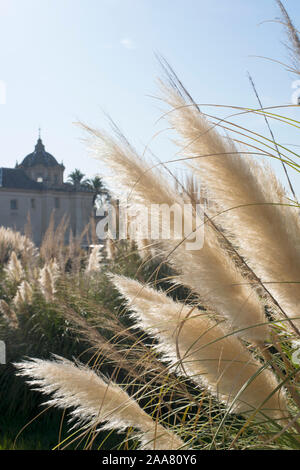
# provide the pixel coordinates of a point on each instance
(39, 157)
(41, 167)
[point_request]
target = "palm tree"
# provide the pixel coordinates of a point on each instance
(96, 184)
(76, 177)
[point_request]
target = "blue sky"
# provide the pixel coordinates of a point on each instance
(69, 60)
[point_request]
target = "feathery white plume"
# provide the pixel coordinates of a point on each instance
(94, 261)
(10, 240)
(256, 209)
(95, 400)
(23, 295)
(9, 315)
(208, 271)
(47, 280)
(14, 269)
(193, 343)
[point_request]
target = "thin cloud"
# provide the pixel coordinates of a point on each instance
(128, 43)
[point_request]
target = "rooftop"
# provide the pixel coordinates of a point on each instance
(39, 157)
(16, 178)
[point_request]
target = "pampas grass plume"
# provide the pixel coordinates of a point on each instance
(94, 260)
(208, 271)
(207, 353)
(23, 295)
(95, 400)
(14, 270)
(8, 314)
(255, 210)
(48, 277)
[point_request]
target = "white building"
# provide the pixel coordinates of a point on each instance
(36, 189)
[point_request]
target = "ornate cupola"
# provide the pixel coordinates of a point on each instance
(42, 167)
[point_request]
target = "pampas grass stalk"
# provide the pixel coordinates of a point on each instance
(196, 345)
(9, 314)
(95, 400)
(208, 271)
(47, 280)
(14, 269)
(250, 203)
(293, 37)
(110, 247)
(24, 294)
(94, 261)
(11, 240)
